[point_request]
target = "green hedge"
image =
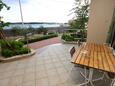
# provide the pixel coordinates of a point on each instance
(39, 38)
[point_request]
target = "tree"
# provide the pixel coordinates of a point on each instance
(15, 31)
(31, 29)
(81, 12)
(42, 30)
(3, 24)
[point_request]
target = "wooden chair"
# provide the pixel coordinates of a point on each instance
(84, 69)
(72, 51)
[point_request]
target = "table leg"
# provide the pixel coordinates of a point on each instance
(101, 78)
(90, 78)
(86, 76)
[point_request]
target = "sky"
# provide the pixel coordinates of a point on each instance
(38, 10)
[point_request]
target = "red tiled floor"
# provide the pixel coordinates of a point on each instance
(43, 43)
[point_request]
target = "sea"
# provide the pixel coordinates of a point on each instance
(33, 25)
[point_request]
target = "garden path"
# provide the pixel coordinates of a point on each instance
(43, 43)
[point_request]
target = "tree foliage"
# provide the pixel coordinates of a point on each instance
(2, 5)
(81, 11)
(3, 24)
(15, 31)
(42, 30)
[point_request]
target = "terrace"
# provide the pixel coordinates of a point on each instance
(50, 66)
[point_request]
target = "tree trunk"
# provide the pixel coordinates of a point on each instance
(2, 36)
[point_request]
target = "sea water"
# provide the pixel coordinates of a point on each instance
(27, 25)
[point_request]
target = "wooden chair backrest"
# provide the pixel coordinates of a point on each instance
(72, 51)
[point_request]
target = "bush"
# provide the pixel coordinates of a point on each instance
(3, 44)
(39, 38)
(73, 37)
(16, 48)
(67, 37)
(16, 44)
(7, 53)
(76, 35)
(22, 51)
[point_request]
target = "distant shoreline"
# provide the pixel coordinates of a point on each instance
(36, 23)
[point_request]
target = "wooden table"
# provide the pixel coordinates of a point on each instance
(95, 56)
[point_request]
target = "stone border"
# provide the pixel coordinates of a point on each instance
(13, 58)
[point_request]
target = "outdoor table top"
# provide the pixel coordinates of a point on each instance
(98, 56)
